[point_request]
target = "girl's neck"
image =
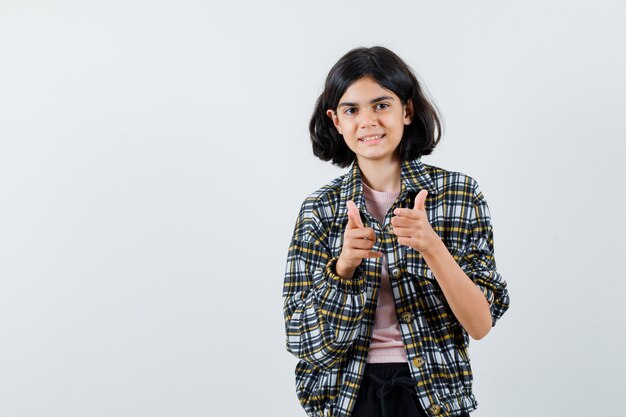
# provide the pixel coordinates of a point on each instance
(382, 175)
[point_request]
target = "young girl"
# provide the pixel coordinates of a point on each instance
(391, 267)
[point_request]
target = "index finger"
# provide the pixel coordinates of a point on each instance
(354, 214)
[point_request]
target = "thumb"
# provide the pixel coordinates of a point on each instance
(420, 199)
(354, 217)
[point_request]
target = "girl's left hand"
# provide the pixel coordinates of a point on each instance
(412, 226)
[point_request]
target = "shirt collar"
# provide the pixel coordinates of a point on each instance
(413, 178)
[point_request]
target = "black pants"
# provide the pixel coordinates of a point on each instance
(388, 390)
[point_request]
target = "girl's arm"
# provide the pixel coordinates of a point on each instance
(467, 301)
(473, 288)
(322, 311)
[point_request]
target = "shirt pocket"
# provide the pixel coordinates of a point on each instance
(429, 295)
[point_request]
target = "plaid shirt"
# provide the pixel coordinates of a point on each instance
(329, 320)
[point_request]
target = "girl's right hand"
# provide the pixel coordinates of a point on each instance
(357, 242)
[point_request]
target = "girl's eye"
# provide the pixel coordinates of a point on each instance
(350, 109)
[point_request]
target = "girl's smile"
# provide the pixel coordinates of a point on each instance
(372, 140)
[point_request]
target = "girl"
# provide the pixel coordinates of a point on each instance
(391, 267)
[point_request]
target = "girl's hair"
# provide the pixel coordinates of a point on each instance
(392, 73)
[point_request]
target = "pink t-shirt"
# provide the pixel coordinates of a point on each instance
(386, 344)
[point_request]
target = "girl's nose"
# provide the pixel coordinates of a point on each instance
(368, 118)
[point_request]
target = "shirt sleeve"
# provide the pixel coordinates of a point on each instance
(322, 311)
(478, 261)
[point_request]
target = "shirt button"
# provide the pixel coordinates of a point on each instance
(419, 361)
(406, 317)
(389, 228)
(434, 409)
(395, 272)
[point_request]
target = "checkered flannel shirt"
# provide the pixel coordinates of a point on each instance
(329, 320)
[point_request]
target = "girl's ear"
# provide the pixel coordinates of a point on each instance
(331, 113)
(408, 112)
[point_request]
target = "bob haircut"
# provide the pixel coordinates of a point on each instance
(392, 73)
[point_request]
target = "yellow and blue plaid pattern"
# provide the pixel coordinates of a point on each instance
(329, 321)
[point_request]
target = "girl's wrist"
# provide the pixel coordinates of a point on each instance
(343, 270)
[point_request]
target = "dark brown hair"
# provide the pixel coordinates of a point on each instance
(392, 73)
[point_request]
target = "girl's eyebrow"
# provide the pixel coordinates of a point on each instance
(346, 104)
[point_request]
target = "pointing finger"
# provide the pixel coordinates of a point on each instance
(354, 216)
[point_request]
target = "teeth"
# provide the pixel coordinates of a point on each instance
(366, 139)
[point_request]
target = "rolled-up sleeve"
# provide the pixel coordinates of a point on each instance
(322, 311)
(478, 261)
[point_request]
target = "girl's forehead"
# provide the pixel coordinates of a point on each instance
(366, 89)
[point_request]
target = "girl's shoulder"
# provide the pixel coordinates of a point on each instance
(318, 209)
(324, 198)
(436, 172)
(451, 181)
(330, 189)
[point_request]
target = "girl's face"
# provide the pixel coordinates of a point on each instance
(367, 111)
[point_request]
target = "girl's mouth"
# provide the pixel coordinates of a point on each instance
(372, 140)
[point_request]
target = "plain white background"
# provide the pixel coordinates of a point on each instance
(154, 155)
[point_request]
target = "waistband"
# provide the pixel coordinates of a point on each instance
(386, 376)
